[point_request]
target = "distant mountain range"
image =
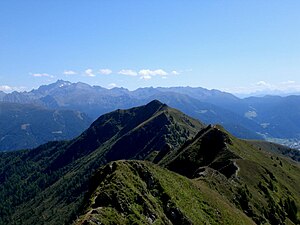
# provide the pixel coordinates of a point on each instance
(172, 169)
(250, 118)
(267, 92)
(26, 126)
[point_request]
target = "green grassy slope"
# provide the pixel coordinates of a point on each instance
(264, 185)
(136, 192)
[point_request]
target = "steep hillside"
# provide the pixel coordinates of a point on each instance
(231, 181)
(265, 186)
(136, 192)
(54, 177)
(26, 126)
(133, 133)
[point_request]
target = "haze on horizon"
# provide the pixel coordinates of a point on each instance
(234, 46)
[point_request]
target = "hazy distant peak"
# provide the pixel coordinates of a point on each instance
(60, 83)
(53, 86)
(119, 88)
(82, 85)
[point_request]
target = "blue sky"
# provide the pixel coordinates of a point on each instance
(236, 46)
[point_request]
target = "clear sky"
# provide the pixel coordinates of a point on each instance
(237, 46)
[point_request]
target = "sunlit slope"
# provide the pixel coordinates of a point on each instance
(136, 192)
(264, 185)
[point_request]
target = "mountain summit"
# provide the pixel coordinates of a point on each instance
(137, 133)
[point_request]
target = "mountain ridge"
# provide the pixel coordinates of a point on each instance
(65, 167)
(55, 177)
(242, 172)
(153, 188)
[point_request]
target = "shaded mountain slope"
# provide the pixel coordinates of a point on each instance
(27, 126)
(136, 192)
(264, 185)
(208, 148)
(55, 176)
(133, 133)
